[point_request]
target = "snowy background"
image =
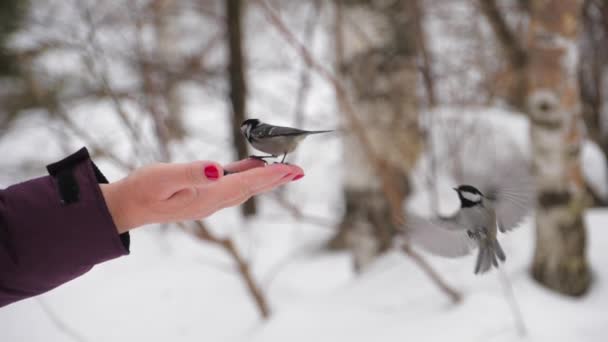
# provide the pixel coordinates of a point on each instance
(174, 287)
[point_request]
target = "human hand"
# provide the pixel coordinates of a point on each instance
(164, 192)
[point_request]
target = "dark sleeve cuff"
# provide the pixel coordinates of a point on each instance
(55, 228)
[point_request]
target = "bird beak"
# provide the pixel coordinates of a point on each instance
(455, 189)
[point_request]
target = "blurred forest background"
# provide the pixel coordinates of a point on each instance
(417, 90)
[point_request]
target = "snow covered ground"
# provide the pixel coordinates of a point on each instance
(181, 290)
(173, 287)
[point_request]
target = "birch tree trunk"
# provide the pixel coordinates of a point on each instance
(593, 71)
(593, 79)
(379, 71)
(555, 113)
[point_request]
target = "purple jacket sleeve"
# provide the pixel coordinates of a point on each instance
(54, 229)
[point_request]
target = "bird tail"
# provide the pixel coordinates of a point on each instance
(318, 132)
(490, 252)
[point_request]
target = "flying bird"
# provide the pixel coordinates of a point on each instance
(498, 202)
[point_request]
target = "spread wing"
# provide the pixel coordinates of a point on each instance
(509, 187)
(269, 131)
(511, 205)
(439, 236)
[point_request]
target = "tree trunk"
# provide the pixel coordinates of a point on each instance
(11, 14)
(238, 88)
(380, 76)
(554, 107)
(593, 75)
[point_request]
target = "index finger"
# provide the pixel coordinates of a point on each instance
(237, 188)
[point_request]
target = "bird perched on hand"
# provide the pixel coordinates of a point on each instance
(275, 140)
(500, 205)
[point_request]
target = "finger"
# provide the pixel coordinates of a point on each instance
(243, 165)
(237, 188)
(172, 178)
(240, 187)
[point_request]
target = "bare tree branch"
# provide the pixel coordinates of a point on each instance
(89, 140)
(428, 78)
(513, 50)
(427, 64)
(96, 52)
(304, 87)
(512, 300)
(454, 295)
(202, 233)
(506, 37)
(297, 213)
(59, 323)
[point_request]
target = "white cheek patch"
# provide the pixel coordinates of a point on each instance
(471, 196)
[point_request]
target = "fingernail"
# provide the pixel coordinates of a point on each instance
(287, 175)
(211, 172)
(297, 177)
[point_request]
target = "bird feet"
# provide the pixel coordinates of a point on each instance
(477, 234)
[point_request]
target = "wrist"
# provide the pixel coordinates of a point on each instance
(113, 198)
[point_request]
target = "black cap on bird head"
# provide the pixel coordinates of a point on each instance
(469, 196)
(248, 125)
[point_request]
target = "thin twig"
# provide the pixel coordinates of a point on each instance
(454, 295)
(304, 87)
(513, 50)
(88, 139)
(102, 75)
(513, 304)
(297, 213)
(59, 323)
(426, 68)
(150, 91)
(202, 233)
(245, 272)
(508, 40)
(428, 78)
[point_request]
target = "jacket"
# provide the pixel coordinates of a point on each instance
(55, 228)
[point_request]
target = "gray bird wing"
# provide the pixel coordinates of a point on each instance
(440, 236)
(509, 189)
(511, 207)
(269, 131)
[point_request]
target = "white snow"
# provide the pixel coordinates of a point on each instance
(175, 288)
(186, 291)
(595, 168)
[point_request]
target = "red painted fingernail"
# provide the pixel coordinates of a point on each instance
(297, 177)
(211, 172)
(287, 175)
